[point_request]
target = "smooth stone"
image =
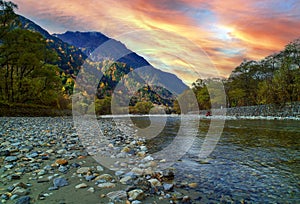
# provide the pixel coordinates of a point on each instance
(154, 182)
(106, 185)
(136, 194)
(83, 170)
(143, 148)
(90, 177)
(82, 185)
(117, 195)
(125, 180)
(137, 171)
(100, 168)
(186, 199)
(13, 197)
(147, 159)
(10, 188)
(20, 191)
(61, 151)
(49, 151)
(32, 155)
(53, 188)
(119, 173)
(75, 165)
(61, 162)
(141, 154)
(23, 200)
(192, 185)
(62, 169)
(91, 190)
(60, 182)
(5, 196)
(11, 158)
(106, 177)
(168, 187)
(42, 172)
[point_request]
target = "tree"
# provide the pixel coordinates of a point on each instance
(8, 18)
(26, 75)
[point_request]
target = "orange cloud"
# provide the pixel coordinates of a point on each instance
(228, 31)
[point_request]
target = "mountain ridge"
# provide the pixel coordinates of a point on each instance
(89, 42)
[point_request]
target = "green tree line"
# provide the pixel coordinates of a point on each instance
(27, 73)
(272, 80)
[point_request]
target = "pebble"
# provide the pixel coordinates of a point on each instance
(11, 159)
(82, 185)
(192, 185)
(126, 180)
(83, 170)
(154, 182)
(23, 200)
(60, 182)
(117, 195)
(63, 169)
(100, 168)
(107, 185)
(61, 161)
(136, 194)
(56, 147)
(168, 187)
(91, 190)
(20, 191)
(106, 177)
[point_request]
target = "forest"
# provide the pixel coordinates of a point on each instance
(32, 72)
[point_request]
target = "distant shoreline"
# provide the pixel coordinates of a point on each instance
(269, 112)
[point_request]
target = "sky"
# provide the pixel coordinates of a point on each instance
(190, 38)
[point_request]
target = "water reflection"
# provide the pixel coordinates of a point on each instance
(255, 161)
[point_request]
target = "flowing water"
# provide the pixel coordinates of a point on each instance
(256, 161)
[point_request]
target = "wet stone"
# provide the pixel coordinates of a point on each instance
(83, 170)
(11, 158)
(24, 200)
(136, 194)
(117, 195)
(60, 182)
(106, 185)
(82, 185)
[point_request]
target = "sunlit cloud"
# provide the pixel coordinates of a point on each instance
(179, 36)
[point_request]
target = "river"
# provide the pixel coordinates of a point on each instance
(255, 161)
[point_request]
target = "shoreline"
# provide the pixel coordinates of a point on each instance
(261, 112)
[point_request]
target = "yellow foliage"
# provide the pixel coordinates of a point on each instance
(69, 80)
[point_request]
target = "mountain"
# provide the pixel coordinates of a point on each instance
(70, 58)
(89, 42)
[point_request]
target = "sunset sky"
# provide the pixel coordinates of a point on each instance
(176, 35)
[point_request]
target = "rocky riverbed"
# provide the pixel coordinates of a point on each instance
(43, 161)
